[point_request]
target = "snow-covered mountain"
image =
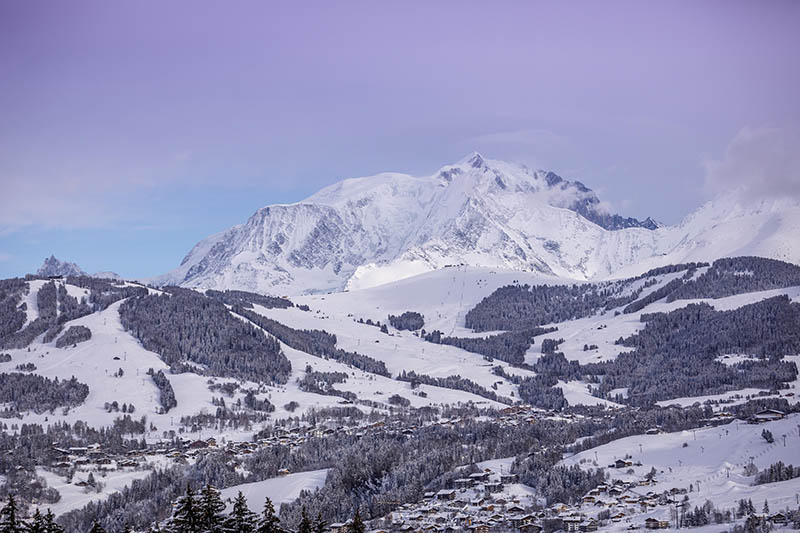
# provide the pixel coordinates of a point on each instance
(53, 266)
(363, 232)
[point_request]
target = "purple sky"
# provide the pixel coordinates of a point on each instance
(145, 126)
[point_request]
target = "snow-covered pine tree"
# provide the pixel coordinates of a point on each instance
(319, 524)
(357, 525)
(305, 525)
(36, 523)
(269, 521)
(9, 522)
(211, 508)
(50, 525)
(186, 516)
(241, 519)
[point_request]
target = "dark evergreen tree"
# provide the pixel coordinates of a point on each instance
(187, 328)
(36, 523)
(39, 394)
(455, 382)
(9, 521)
(319, 524)
(305, 525)
(241, 519)
(97, 528)
(211, 508)
(187, 514)
(410, 320)
(74, 335)
(269, 521)
(777, 472)
(357, 525)
(50, 525)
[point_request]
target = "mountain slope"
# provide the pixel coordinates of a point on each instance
(478, 211)
(363, 232)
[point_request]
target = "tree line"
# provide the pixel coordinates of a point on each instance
(185, 327)
(315, 342)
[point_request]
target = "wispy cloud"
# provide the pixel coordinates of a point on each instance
(759, 163)
(57, 204)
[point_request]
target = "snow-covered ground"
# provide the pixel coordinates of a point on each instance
(95, 362)
(577, 393)
(283, 489)
(75, 497)
(712, 460)
(30, 301)
(442, 296)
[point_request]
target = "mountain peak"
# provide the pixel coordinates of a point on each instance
(54, 267)
(366, 231)
(474, 159)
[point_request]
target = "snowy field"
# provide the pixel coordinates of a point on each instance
(283, 489)
(75, 497)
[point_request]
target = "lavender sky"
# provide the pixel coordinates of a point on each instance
(130, 130)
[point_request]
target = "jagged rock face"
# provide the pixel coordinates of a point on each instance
(54, 267)
(366, 231)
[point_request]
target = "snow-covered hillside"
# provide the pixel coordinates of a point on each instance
(364, 232)
(98, 361)
(710, 460)
(442, 296)
(114, 364)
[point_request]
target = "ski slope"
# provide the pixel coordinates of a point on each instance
(283, 489)
(111, 348)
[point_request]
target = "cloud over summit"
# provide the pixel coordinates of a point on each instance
(761, 163)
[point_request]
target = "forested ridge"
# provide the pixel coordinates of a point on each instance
(675, 354)
(31, 392)
(314, 342)
(516, 307)
(183, 326)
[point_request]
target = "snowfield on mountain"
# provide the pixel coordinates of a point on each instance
(363, 232)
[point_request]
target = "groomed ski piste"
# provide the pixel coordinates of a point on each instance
(283, 489)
